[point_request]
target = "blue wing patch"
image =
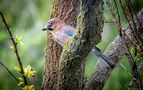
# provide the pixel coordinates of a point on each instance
(69, 33)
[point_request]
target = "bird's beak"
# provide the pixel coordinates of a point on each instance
(44, 29)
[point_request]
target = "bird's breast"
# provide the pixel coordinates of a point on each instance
(60, 37)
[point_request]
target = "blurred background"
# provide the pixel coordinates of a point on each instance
(26, 19)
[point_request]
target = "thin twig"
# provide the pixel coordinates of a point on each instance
(125, 69)
(140, 25)
(115, 51)
(122, 35)
(134, 33)
(135, 71)
(15, 46)
(131, 12)
(130, 84)
(128, 20)
(9, 72)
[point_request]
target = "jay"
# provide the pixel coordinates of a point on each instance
(62, 33)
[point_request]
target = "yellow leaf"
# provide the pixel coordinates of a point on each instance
(17, 69)
(18, 40)
(21, 82)
(28, 87)
(28, 72)
(21, 79)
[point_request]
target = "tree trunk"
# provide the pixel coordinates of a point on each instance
(66, 10)
(87, 35)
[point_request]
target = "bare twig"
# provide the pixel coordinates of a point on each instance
(135, 34)
(131, 13)
(114, 51)
(125, 69)
(139, 37)
(122, 35)
(130, 84)
(9, 72)
(15, 46)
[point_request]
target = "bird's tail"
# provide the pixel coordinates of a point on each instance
(99, 54)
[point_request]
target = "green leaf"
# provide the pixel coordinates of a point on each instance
(133, 51)
(137, 57)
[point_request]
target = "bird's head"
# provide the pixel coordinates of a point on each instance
(53, 25)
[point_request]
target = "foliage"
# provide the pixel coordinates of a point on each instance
(26, 19)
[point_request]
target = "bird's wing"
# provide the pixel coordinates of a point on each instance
(69, 30)
(69, 33)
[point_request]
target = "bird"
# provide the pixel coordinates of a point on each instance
(62, 33)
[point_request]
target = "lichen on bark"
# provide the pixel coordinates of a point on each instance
(88, 34)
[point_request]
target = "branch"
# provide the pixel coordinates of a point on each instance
(114, 51)
(15, 47)
(136, 77)
(9, 72)
(122, 35)
(88, 33)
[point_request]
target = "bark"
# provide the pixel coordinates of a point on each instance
(66, 10)
(114, 51)
(88, 33)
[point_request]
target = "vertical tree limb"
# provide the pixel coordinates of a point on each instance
(89, 28)
(66, 10)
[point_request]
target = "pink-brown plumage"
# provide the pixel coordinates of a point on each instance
(62, 33)
(60, 30)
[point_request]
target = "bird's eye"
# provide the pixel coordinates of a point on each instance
(49, 24)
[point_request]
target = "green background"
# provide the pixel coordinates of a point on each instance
(26, 19)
